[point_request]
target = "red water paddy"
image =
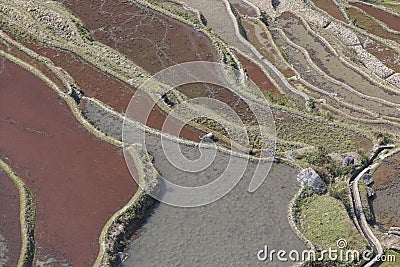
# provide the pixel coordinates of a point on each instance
(106, 88)
(330, 7)
(78, 181)
(389, 19)
(150, 39)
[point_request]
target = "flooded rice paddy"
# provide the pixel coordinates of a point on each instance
(77, 181)
(333, 67)
(129, 27)
(386, 203)
(228, 232)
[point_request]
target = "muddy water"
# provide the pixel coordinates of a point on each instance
(10, 228)
(150, 39)
(259, 78)
(260, 40)
(228, 232)
(104, 87)
(333, 67)
(330, 7)
(387, 188)
(78, 181)
(389, 19)
(222, 24)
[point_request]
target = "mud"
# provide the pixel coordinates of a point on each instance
(223, 25)
(389, 19)
(329, 7)
(386, 204)
(10, 227)
(78, 181)
(151, 40)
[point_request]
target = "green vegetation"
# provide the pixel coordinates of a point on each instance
(320, 132)
(83, 31)
(362, 187)
(324, 221)
(340, 191)
(242, 30)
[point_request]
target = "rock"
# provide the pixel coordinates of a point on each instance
(367, 179)
(347, 161)
(370, 192)
(313, 180)
(209, 138)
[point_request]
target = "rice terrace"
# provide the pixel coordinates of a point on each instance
(199, 133)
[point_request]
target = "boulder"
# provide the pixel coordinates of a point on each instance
(347, 161)
(313, 180)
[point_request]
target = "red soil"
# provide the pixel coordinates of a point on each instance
(10, 227)
(259, 78)
(330, 7)
(78, 181)
(389, 19)
(150, 39)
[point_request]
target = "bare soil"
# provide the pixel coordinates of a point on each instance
(10, 227)
(150, 39)
(389, 19)
(78, 181)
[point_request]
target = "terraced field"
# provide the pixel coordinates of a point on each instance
(46, 146)
(328, 69)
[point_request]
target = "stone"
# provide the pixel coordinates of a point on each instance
(310, 177)
(367, 179)
(347, 161)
